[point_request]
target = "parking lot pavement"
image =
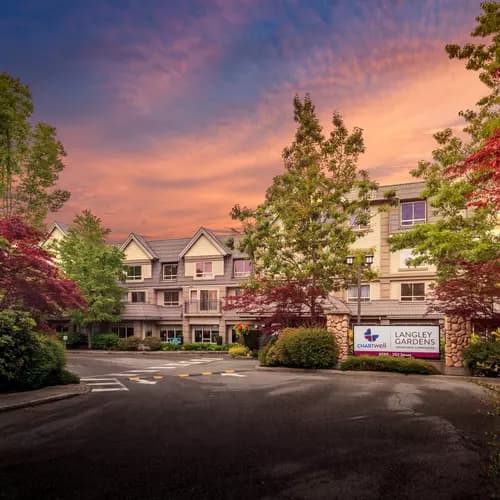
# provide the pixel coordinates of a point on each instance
(121, 373)
(265, 435)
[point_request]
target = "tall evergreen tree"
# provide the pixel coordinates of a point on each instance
(30, 158)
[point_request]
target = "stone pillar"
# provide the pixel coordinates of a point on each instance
(457, 332)
(338, 326)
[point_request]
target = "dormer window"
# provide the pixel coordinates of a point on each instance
(203, 269)
(170, 272)
(242, 268)
(134, 273)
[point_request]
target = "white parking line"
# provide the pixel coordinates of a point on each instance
(96, 384)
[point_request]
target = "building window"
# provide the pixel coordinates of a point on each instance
(203, 269)
(413, 212)
(137, 297)
(134, 273)
(170, 272)
(404, 255)
(235, 292)
(242, 268)
(125, 297)
(206, 334)
(123, 331)
(411, 292)
(171, 298)
(171, 334)
(352, 293)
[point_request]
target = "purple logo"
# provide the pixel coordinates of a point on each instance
(371, 337)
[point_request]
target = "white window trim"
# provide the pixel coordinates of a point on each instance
(241, 274)
(205, 275)
(211, 327)
(171, 277)
(412, 299)
(412, 222)
(141, 278)
(355, 299)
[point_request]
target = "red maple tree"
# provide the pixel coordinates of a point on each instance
(30, 280)
(473, 292)
(277, 304)
(482, 171)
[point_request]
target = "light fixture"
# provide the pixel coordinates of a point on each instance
(369, 259)
(350, 260)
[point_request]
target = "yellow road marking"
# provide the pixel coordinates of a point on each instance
(183, 375)
(134, 378)
(157, 377)
(206, 373)
(228, 371)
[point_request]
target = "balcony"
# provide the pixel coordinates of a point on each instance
(202, 307)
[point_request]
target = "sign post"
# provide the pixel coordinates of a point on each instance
(411, 341)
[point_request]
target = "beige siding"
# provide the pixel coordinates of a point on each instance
(202, 248)
(134, 252)
(371, 240)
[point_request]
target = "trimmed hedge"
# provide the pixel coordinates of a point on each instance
(196, 347)
(152, 343)
(131, 343)
(238, 350)
(300, 348)
(483, 358)
(389, 364)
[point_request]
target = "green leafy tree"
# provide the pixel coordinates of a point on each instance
(96, 266)
(301, 234)
(30, 158)
(464, 236)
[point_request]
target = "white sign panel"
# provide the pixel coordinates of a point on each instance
(416, 341)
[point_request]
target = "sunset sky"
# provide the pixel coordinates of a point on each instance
(173, 111)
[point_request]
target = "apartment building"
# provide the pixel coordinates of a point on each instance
(175, 288)
(398, 294)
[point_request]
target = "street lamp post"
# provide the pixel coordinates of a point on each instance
(367, 261)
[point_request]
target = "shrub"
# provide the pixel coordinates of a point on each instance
(105, 341)
(483, 358)
(300, 348)
(389, 364)
(131, 343)
(167, 346)
(238, 350)
(193, 346)
(152, 343)
(46, 365)
(18, 344)
(219, 340)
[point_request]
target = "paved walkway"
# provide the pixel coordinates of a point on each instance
(14, 400)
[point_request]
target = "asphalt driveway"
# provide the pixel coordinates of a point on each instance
(216, 429)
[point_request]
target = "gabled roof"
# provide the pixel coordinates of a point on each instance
(63, 227)
(210, 236)
(139, 240)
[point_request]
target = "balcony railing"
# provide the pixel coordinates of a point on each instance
(202, 306)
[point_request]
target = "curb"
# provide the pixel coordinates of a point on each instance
(82, 389)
